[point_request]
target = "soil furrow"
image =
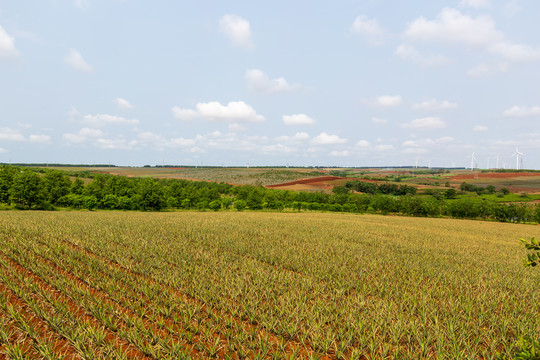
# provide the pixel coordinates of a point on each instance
(78, 312)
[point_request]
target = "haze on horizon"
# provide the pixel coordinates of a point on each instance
(304, 83)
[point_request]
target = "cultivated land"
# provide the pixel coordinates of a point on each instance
(306, 179)
(262, 285)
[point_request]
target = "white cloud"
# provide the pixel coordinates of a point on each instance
(237, 127)
(41, 139)
(2, 151)
(408, 52)
(483, 70)
(106, 119)
(370, 29)
(299, 136)
(384, 147)
(184, 114)
(410, 143)
(427, 123)
(453, 27)
(477, 4)
(363, 143)
(444, 140)
(434, 105)
(83, 135)
(234, 111)
(258, 81)
(114, 144)
(385, 101)
(8, 134)
(237, 30)
(522, 111)
(8, 51)
(326, 139)
(76, 61)
(298, 119)
(480, 128)
(237, 111)
(123, 103)
(377, 120)
(343, 153)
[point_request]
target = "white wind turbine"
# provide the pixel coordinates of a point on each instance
(517, 154)
(473, 159)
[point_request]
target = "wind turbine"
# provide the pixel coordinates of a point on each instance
(473, 159)
(497, 162)
(516, 154)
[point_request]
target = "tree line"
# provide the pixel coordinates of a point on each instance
(47, 189)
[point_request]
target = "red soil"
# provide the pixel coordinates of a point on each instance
(307, 181)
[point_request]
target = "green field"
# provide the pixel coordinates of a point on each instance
(262, 285)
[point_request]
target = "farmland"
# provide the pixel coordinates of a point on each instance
(77, 284)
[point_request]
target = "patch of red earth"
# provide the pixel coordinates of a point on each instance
(503, 175)
(321, 182)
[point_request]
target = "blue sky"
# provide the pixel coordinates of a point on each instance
(343, 83)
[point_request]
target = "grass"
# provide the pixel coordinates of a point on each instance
(269, 285)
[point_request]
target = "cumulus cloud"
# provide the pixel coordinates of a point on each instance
(326, 139)
(123, 104)
(522, 111)
(114, 144)
(444, 140)
(409, 53)
(8, 134)
(237, 30)
(83, 135)
(297, 119)
(427, 123)
(106, 119)
(258, 81)
(184, 114)
(369, 29)
(8, 51)
(76, 61)
(363, 143)
(483, 70)
(40, 139)
(434, 105)
(387, 101)
(480, 128)
(477, 4)
(384, 147)
(453, 27)
(234, 111)
(299, 136)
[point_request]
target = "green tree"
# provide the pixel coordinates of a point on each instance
(7, 173)
(27, 189)
(240, 205)
(215, 205)
(77, 187)
(151, 195)
(55, 184)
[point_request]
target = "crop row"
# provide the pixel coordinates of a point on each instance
(232, 285)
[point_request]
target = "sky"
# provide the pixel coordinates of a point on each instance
(281, 83)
